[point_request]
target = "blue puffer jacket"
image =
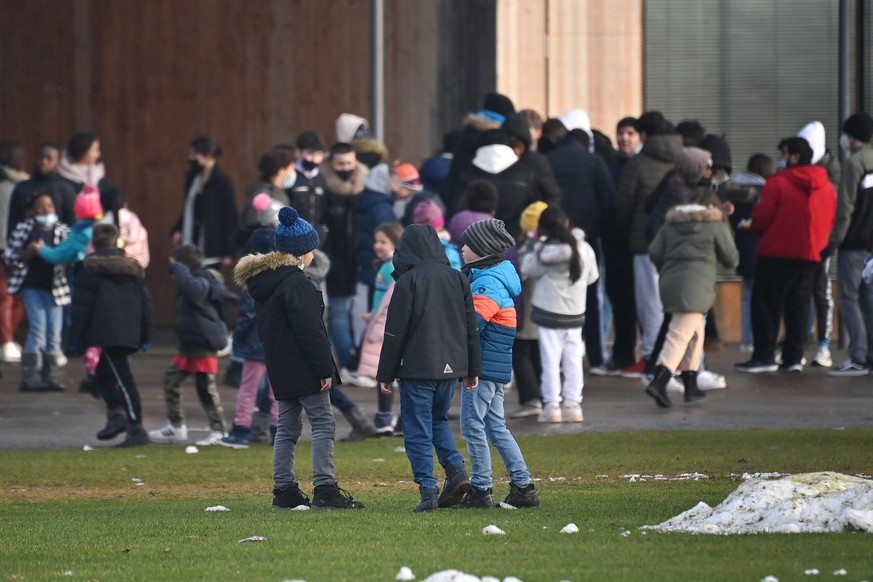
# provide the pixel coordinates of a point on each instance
(246, 339)
(493, 291)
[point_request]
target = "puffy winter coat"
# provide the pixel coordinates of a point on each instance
(493, 291)
(587, 191)
(200, 306)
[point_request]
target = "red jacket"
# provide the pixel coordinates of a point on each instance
(796, 214)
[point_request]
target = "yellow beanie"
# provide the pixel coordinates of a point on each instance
(530, 217)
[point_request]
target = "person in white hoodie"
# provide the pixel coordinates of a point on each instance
(822, 297)
(563, 265)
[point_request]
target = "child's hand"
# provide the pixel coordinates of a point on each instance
(367, 316)
(470, 383)
(326, 384)
(386, 387)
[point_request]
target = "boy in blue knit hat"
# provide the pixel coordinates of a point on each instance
(300, 365)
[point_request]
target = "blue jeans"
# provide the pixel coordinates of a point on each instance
(44, 321)
(482, 415)
(339, 324)
(317, 408)
(856, 305)
(424, 411)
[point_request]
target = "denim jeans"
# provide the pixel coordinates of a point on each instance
(339, 325)
(856, 305)
(482, 415)
(44, 321)
(424, 411)
(317, 408)
(647, 296)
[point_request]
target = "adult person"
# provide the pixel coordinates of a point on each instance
(209, 217)
(276, 173)
(434, 171)
(642, 174)
(82, 162)
(852, 238)
(517, 128)
(308, 191)
(46, 179)
(11, 311)
(788, 257)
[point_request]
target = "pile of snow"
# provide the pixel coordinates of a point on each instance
(458, 576)
(810, 502)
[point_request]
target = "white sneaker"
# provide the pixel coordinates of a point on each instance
(213, 438)
(10, 352)
(169, 435)
(707, 380)
(747, 348)
(61, 360)
(353, 378)
(551, 413)
(822, 358)
(534, 408)
(572, 413)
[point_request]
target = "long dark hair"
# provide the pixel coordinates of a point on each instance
(553, 226)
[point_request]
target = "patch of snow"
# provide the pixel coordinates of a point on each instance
(400, 450)
(68, 572)
(807, 503)
(253, 539)
(570, 528)
(378, 460)
(136, 480)
(191, 450)
(811, 572)
(504, 505)
(458, 576)
(769, 579)
(625, 533)
(840, 572)
(217, 508)
(87, 448)
(557, 478)
(492, 530)
(405, 573)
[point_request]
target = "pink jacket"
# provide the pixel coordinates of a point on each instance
(371, 347)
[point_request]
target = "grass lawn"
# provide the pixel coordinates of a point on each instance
(114, 514)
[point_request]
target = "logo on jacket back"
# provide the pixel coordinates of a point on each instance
(448, 370)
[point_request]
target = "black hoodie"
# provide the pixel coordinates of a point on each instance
(430, 332)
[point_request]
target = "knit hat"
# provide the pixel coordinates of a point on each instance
(499, 104)
(859, 126)
(260, 241)
(691, 163)
(294, 235)
(88, 203)
(488, 237)
(720, 150)
(530, 216)
(814, 133)
(350, 127)
(429, 212)
(408, 176)
(516, 126)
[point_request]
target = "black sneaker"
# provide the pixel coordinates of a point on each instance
(428, 501)
(476, 499)
(334, 497)
(454, 489)
(757, 367)
(116, 423)
(289, 498)
(136, 437)
(522, 496)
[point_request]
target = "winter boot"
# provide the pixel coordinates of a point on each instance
(136, 437)
(362, 427)
(657, 388)
(522, 496)
(50, 367)
(476, 499)
(456, 486)
(290, 498)
(692, 392)
(116, 423)
(333, 496)
(428, 501)
(30, 381)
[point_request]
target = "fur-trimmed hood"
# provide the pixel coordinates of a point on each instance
(250, 266)
(351, 187)
(686, 213)
(112, 265)
(556, 253)
(479, 122)
(372, 149)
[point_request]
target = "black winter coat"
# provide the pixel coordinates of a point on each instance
(111, 304)
(430, 331)
(58, 188)
(517, 187)
(290, 311)
(588, 196)
(200, 308)
(215, 214)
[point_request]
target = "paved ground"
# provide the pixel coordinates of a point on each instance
(809, 400)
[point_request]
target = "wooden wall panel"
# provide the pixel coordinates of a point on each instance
(521, 46)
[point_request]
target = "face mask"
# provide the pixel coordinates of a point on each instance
(781, 165)
(195, 166)
(844, 143)
(289, 182)
(46, 220)
(308, 165)
(344, 175)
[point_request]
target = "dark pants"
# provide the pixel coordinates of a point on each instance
(659, 344)
(782, 287)
(591, 331)
(115, 379)
(619, 268)
(527, 369)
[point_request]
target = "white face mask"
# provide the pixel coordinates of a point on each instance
(46, 220)
(844, 143)
(290, 181)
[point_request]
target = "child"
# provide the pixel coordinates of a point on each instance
(88, 210)
(494, 283)
(248, 346)
(385, 240)
(290, 313)
(202, 332)
(563, 265)
(430, 342)
(44, 292)
(112, 310)
(479, 203)
(429, 212)
(133, 237)
(686, 251)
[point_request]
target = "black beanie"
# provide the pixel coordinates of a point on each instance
(500, 104)
(516, 126)
(720, 150)
(859, 126)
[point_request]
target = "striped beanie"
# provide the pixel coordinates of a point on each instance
(488, 237)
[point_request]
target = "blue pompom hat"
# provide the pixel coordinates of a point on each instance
(294, 235)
